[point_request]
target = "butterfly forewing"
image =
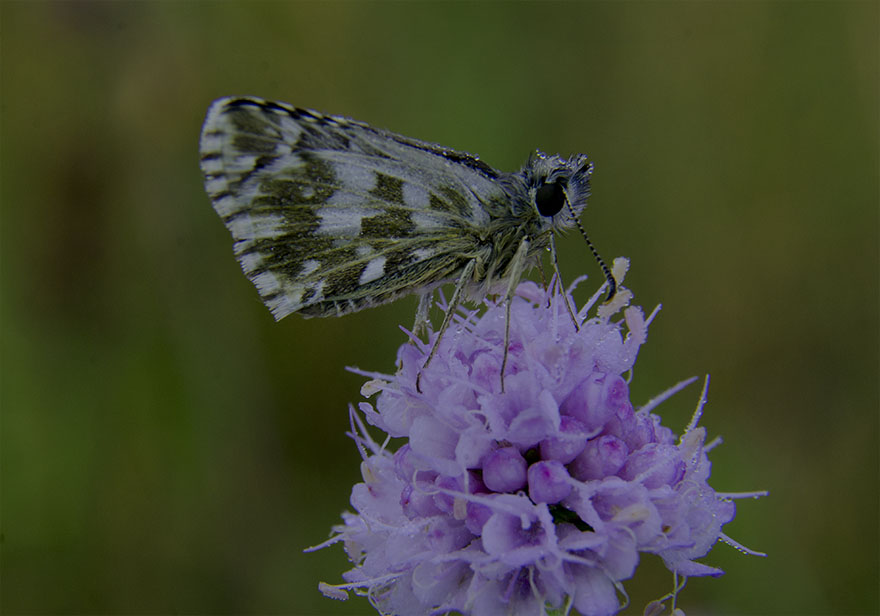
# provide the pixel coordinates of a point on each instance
(330, 215)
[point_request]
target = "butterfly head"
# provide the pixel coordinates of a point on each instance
(558, 187)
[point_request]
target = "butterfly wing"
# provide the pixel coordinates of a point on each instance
(330, 215)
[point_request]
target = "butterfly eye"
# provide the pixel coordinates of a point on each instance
(549, 198)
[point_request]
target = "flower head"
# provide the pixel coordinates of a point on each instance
(541, 496)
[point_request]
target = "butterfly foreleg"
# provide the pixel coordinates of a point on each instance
(517, 266)
(421, 324)
(555, 261)
(466, 276)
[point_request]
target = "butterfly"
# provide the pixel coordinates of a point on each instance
(331, 215)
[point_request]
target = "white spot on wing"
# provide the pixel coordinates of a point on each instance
(353, 175)
(240, 163)
(230, 204)
(319, 293)
(290, 129)
(336, 221)
(250, 261)
(426, 220)
(284, 304)
(414, 195)
(251, 227)
(212, 166)
(374, 270)
(309, 267)
(267, 283)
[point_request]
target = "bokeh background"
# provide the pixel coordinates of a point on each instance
(168, 448)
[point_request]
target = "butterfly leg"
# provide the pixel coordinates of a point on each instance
(559, 282)
(421, 324)
(466, 276)
(515, 272)
(543, 275)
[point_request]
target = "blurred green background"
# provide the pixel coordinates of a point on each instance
(168, 448)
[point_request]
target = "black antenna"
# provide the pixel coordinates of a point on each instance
(612, 284)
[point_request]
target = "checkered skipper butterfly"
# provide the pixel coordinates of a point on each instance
(330, 215)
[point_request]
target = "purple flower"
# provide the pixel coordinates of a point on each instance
(540, 497)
